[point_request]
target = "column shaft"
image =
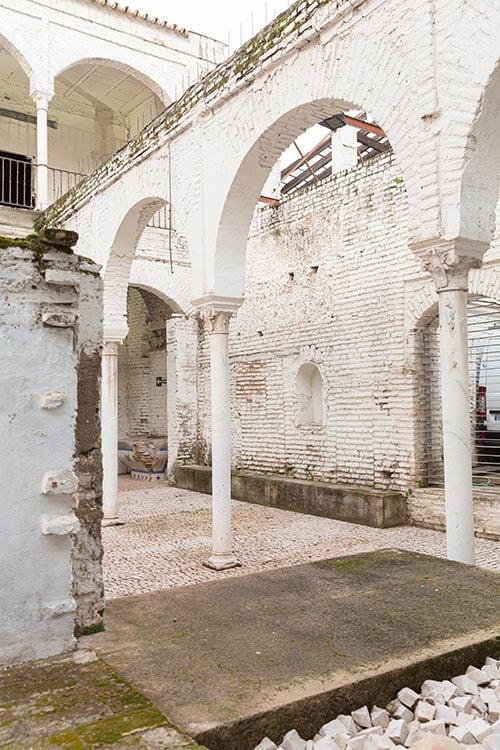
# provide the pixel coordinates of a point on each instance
(109, 427)
(456, 424)
(42, 154)
(222, 544)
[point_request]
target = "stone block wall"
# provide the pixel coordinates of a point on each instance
(50, 337)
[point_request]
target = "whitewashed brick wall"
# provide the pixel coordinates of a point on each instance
(330, 280)
(142, 404)
(325, 284)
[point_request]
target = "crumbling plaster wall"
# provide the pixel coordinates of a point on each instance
(50, 336)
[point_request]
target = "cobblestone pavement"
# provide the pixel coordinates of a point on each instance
(166, 538)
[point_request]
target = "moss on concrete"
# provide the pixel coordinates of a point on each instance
(61, 704)
(99, 627)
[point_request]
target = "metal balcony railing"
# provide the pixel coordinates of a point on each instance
(18, 181)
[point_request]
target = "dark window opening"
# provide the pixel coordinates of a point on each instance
(15, 180)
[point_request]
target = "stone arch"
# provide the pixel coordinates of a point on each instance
(422, 306)
(23, 60)
(119, 64)
(117, 270)
(480, 185)
(424, 355)
(285, 105)
(158, 279)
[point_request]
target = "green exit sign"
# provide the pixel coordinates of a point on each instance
(161, 381)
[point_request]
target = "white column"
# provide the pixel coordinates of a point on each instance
(109, 431)
(222, 556)
(42, 99)
(456, 424)
(450, 271)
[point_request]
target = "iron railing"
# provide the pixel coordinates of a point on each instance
(61, 181)
(18, 186)
(161, 219)
(18, 182)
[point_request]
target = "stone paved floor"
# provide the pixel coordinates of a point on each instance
(166, 538)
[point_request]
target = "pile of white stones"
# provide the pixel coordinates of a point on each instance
(465, 709)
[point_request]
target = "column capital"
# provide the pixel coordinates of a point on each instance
(218, 302)
(449, 261)
(110, 348)
(115, 334)
(216, 311)
(41, 97)
(216, 321)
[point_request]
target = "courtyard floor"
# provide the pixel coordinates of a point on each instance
(232, 660)
(166, 538)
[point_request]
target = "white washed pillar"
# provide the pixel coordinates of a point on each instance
(344, 149)
(109, 427)
(450, 271)
(217, 311)
(456, 424)
(222, 556)
(42, 99)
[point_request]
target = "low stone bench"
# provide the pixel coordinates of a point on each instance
(363, 505)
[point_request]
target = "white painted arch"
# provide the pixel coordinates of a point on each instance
(119, 61)
(393, 59)
(20, 50)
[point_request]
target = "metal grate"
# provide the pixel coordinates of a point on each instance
(484, 392)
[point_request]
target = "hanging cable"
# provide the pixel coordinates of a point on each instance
(170, 208)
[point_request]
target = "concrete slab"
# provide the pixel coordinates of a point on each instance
(232, 660)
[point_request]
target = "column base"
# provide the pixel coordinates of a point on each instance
(222, 562)
(112, 522)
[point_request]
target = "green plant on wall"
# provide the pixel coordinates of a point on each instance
(308, 471)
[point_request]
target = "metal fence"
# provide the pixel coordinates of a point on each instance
(484, 393)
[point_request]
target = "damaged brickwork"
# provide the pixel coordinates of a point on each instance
(88, 587)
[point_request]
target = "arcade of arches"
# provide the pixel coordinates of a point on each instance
(342, 331)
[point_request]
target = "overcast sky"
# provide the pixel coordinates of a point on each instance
(215, 18)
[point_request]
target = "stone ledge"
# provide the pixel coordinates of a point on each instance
(426, 509)
(362, 505)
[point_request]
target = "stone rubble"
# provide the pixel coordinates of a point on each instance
(444, 715)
